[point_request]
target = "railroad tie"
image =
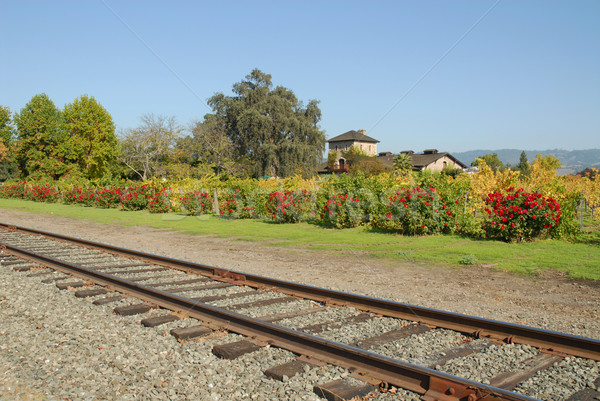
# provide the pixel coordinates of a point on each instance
(70, 284)
(510, 380)
(288, 370)
(391, 336)
(130, 310)
(261, 303)
(90, 292)
(108, 300)
(587, 394)
(234, 349)
(187, 333)
(158, 320)
(344, 389)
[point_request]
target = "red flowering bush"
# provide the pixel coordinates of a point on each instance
(42, 193)
(289, 206)
(196, 203)
(346, 210)
(159, 202)
(108, 197)
(233, 204)
(417, 211)
(519, 215)
(80, 196)
(13, 191)
(136, 198)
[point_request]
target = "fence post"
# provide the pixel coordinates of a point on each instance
(580, 215)
(215, 202)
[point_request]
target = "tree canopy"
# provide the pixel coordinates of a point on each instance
(91, 142)
(492, 161)
(39, 148)
(270, 127)
(524, 167)
(147, 148)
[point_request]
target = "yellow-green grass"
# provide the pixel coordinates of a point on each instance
(577, 259)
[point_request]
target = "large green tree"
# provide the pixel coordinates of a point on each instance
(7, 165)
(6, 128)
(91, 142)
(270, 127)
(39, 151)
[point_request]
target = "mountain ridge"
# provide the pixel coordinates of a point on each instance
(572, 160)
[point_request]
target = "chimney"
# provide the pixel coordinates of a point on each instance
(362, 131)
(430, 151)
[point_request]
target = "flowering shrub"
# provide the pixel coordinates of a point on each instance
(136, 198)
(80, 196)
(233, 204)
(520, 215)
(159, 202)
(196, 203)
(42, 193)
(13, 191)
(289, 206)
(345, 211)
(108, 197)
(417, 211)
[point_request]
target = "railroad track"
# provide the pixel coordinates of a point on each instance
(390, 344)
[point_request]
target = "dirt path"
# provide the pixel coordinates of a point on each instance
(549, 301)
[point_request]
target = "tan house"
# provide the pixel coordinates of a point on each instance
(430, 159)
(354, 138)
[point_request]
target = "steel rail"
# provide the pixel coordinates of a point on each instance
(547, 340)
(432, 384)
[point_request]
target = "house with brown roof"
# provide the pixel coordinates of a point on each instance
(430, 159)
(359, 139)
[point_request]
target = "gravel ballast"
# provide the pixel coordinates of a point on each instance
(28, 344)
(67, 348)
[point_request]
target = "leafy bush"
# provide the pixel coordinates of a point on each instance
(108, 197)
(16, 190)
(233, 203)
(80, 196)
(136, 197)
(289, 206)
(520, 215)
(159, 202)
(468, 260)
(344, 211)
(418, 211)
(195, 203)
(42, 193)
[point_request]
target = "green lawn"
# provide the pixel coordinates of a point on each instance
(579, 260)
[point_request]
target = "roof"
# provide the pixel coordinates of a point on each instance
(419, 161)
(353, 136)
(422, 160)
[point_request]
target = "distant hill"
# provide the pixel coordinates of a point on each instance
(572, 160)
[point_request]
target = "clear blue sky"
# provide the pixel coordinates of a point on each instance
(527, 76)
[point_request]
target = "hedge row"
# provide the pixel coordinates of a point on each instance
(419, 209)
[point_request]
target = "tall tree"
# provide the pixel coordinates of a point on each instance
(208, 145)
(7, 165)
(492, 161)
(92, 144)
(271, 127)
(38, 148)
(147, 148)
(524, 167)
(6, 128)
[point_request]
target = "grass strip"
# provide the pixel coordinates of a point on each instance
(577, 259)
